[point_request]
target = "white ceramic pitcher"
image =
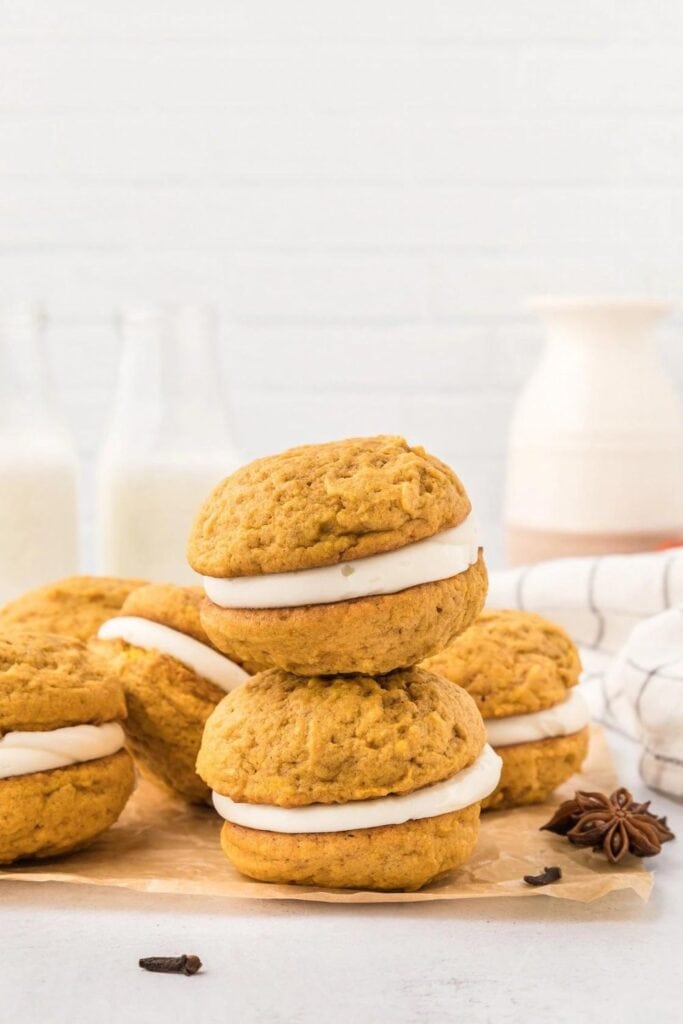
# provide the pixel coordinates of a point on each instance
(595, 462)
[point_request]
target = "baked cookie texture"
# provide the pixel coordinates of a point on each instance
(168, 703)
(322, 504)
(76, 606)
(343, 716)
(173, 606)
(366, 634)
(511, 663)
(290, 741)
(404, 857)
(49, 682)
(516, 663)
(60, 811)
(180, 608)
(531, 771)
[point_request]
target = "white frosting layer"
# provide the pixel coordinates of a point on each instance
(197, 656)
(467, 787)
(436, 558)
(23, 753)
(560, 720)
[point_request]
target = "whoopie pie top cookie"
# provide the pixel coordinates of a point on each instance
(170, 605)
(76, 606)
(51, 682)
(511, 663)
(291, 741)
(164, 618)
(319, 505)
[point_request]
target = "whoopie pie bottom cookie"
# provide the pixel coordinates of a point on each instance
(366, 634)
(49, 813)
(531, 771)
(391, 857)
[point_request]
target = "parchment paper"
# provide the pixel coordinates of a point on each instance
(161, 845)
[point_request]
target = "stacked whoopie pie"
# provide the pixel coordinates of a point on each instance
(343, 565)
(522, 671)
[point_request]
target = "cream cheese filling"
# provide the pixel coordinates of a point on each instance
(446, 554)
(467, 787)
(23, 753)
(561, 719)
(197, 656)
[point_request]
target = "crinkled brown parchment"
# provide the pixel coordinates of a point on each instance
(160, 845)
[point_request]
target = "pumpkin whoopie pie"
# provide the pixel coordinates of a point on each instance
(354, 556)
(76, 606)
(521, 670)
(65, 776)
(348, 781)
(172, 677)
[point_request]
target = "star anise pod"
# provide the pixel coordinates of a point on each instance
(615, 824)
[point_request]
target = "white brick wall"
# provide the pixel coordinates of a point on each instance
(367, 190)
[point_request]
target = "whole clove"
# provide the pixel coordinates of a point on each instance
(547, 876)
(185, 964)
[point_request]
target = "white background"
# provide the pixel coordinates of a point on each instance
(367, 190)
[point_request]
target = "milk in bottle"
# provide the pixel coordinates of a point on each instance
(38, 466)
(168, 444)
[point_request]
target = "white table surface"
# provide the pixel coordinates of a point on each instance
(69, 954)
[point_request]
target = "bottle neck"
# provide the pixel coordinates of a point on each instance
(169, 392)
(26, 395)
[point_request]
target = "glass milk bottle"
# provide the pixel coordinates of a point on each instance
(38, 466)
(168, 444)
(595, 459)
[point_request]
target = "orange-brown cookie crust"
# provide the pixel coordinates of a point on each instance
(76, 606)
(531, 771)
(170, 605)
(49, 813)
(511, 662)
(49, 682)
(179, 608)
(322, 504)
(291, 741)
(368, 634)
(394, 857)
(168, 705)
